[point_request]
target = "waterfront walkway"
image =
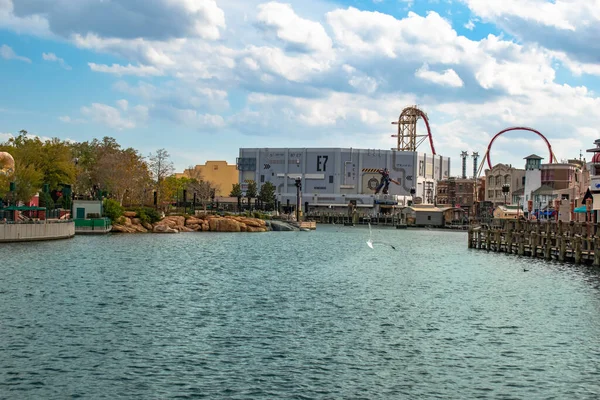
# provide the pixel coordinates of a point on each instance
(568, 242)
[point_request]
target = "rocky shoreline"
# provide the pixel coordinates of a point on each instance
(131, 223)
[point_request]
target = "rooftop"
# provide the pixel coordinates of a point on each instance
(533, 157)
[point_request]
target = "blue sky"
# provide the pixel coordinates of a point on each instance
(202, 78)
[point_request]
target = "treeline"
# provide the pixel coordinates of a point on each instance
(93, 170)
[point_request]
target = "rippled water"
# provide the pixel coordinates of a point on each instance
(293, 315)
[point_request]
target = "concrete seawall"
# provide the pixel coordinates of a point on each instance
(34, 231)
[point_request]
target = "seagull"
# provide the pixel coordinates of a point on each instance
(370, 242)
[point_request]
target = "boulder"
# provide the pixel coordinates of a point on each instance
(228, 225)
(122, 228)
(129, 214)
(256, 229)
(139, 228)
(147, 225)
(281, 226)
(164, 229)
(136, 221)
(173, 221)
(192, 221)
(185, 229)
(126, 221)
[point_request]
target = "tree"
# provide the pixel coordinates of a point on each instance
(160, 167)
(236, 191)
(251, 193)
(28, 182)
(267, 195)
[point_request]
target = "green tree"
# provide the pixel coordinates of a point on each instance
(236, 191)
(28, 182)
(251, 193)
(267, 195)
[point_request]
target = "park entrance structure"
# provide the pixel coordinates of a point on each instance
(408, 139)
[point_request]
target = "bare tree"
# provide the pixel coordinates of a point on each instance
(205, 190)
(161, 167)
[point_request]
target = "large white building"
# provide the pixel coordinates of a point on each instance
(332, 177)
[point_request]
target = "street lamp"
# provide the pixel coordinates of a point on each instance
(505, 190)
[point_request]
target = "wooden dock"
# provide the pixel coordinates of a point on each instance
(567, 242)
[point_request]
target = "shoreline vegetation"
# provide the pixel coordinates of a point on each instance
(124, 180)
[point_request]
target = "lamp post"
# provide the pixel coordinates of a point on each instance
(505, 190)
(298, 189)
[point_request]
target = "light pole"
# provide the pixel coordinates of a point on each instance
(298, 189)
(505, 190)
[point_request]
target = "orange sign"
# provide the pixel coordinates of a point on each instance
(530, 205)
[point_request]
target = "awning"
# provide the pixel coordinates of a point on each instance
(580, 209)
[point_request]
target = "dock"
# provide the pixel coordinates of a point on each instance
(574, 242)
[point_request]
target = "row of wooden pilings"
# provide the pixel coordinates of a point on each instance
(568, 242)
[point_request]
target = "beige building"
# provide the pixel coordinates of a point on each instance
(499, 175)
(221, 175)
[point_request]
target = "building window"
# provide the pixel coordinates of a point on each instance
(491, 181)
(215, 167)
(330, 178)
(429, 218)
(262, 178)
(523, 181)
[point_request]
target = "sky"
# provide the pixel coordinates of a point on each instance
(202, 78)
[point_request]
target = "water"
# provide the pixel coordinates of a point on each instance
(305, 315)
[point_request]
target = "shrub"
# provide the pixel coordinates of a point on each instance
(112, 209)
(148, 215)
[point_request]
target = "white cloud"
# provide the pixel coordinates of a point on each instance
(119, 70)
(8, 53)
(314, 70)
(115, 118)
(159, 19)
(296, 32)
(53, 58)
(448, 77)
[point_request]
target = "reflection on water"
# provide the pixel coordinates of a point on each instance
(293, 315)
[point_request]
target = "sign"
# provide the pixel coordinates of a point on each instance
(530, 205)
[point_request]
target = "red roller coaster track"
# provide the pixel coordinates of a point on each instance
(407, 129)
(428, 132)
(516, 128)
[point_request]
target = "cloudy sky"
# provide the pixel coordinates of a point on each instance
(205, 77)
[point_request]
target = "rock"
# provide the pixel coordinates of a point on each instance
(192, 221)
(185, 229)
(164, 229)
(228, 225)
(147, 225)
(213, 223)
(281, 226)
(126, 221)
(136, 221)
(256, 229)
(129, 214)
(122, 228)
(139, 228)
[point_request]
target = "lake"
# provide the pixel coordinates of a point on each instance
(295, 315)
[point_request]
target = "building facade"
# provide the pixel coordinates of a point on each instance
(333, 177)
(499, 175)
(456, 192)
(221, 175)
